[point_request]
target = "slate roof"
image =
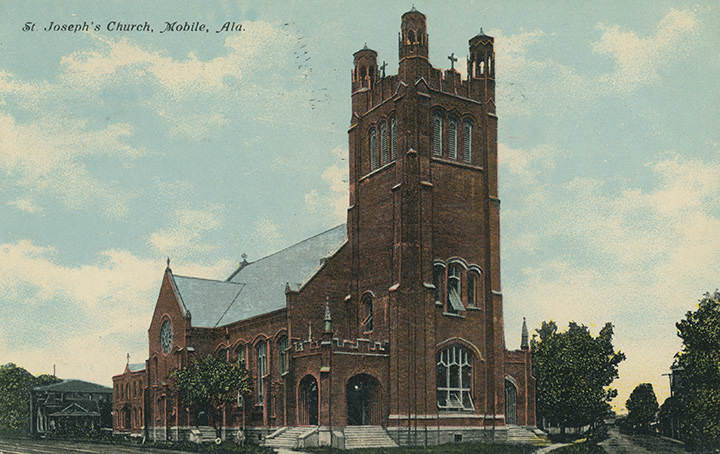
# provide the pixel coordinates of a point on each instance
(136, 367)
(258, 287)
(206, 299)
(266, 279)
(74, 386)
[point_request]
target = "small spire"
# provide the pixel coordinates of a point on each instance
(127, 355)
(365, 46)
(413, 7)
(524, 339)
(328, 319)
(168, 263)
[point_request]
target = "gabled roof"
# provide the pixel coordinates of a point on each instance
(75, 409)
(206, 299)
(265, 280)
(136, 367)
(74, 386)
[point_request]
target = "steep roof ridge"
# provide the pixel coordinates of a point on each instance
(231, 302)
(282, 250)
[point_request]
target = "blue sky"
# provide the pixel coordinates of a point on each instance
(119, 149)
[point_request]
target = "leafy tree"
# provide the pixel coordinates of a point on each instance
(574, 371)
(698, 369)
(15, 386)
(209, 382)
(642, 408)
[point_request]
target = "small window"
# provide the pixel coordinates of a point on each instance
(367, 324)
(454, 297)
(221, 354)
(384, 145)
(261, 351)
(472, 288)
(467, 141)
(393, 139)
(374, 164)
(438, 275)
(437, 134)
(282, 350)
(452, 138)
(240, 355)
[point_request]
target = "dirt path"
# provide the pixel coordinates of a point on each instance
(618, 443)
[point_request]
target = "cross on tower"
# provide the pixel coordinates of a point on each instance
(383, 66)
(452, 59)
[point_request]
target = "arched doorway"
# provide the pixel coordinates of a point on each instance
(127, 423)
(202, 418)
(363, 401)
(308, 401)
(510, 402)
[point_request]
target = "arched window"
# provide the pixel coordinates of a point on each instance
(437, 134)
(367, 323)
(384, 145)
(374, 164)
(454, 379)
(393, 139)
(261, 351)
(467, 141)
(438, 278)
(240, 355)
(452, 138)
(411, 36)
(221, 354)
(282, 350)
(454, 289)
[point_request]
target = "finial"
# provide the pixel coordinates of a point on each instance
(168, 262)
(524, 338)
(383, 66)
(128, 357)
(481, 31)
(365, 46)
(452, 59)
(327, 327)
(244, 257)
(413, 7)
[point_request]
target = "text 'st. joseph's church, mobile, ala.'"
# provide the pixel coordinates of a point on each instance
(392, 320)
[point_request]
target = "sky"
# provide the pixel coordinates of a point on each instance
(119, 149)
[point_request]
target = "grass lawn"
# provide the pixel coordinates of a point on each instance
(459, 448)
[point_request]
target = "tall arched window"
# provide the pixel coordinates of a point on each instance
(384, 143)
(472, 283)
(452, 138)
(374, 164)
(261, 350)
(367, 324)
(282, 350)
(467, 141)
(454, 289)
(454, 379)
(393, 139)
(437, 134)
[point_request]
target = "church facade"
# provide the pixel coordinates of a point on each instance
(394, 319)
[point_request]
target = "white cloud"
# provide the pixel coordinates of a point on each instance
(268, 234)
(637, 58)
(184, 238)
(48, 154)
(25, 205)
(526, 165)
(332, 203)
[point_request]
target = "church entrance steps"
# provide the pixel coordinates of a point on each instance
(203, 434)
(287, 437)
(526, 436)
(367, 437)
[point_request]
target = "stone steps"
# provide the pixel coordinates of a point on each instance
(288, 438)
(367, 437)
(522, 435)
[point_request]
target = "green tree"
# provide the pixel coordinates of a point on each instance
(15, 386)
(574, 371)
(642, 408)
(209, 382)
(698, 369)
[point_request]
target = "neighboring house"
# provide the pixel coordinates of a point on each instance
(70, 406)
(394, 319)
(129, 399)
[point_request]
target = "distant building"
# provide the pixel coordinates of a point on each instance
(129, 398)
(69, 406)
(392, 320)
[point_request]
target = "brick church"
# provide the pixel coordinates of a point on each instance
(392, 320)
